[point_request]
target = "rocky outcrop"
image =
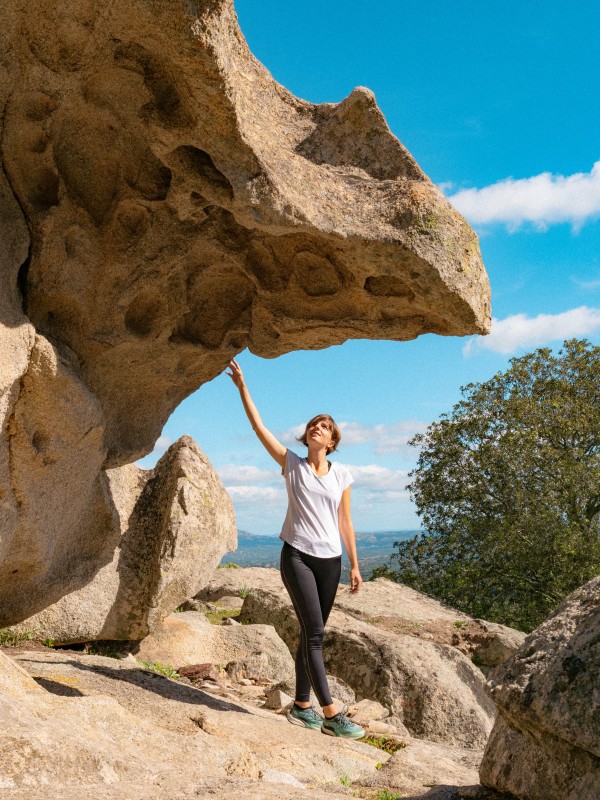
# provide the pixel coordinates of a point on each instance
(165, 204)
(61, 523)
(189, 638)
(400, 609)
(229, 582)
(175, 523)
(110, 728)
(546, 741)
(432, 689)
(414, 769)
(392, 607)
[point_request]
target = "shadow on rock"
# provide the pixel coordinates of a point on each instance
(55, 687)
(162, 686)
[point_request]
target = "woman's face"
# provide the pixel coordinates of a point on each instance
(320, 433)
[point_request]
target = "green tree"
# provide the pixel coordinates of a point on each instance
(508, 488)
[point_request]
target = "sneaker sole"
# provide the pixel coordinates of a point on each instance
(329, 732)
(299, 722)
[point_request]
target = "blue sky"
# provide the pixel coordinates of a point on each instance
(498, 104)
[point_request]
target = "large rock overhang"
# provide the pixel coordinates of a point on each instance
(164, 204)
(183, 206)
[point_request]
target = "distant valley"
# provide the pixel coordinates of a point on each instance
(374, 549)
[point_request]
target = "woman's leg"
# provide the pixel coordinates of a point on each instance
(311, 583)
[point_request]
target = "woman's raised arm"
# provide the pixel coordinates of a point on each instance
(273, 447)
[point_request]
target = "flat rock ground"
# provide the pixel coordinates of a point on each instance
(217, 742)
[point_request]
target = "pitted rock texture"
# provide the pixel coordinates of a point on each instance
(182, 206)
(175, 524)
(549, 705)
(164, 204)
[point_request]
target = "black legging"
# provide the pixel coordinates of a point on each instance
(311, 583)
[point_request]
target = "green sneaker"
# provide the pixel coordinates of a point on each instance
(307, 717)
(340, 725)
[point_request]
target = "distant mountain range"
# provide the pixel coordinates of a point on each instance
(374, 549)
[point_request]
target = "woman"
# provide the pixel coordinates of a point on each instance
(311, 557)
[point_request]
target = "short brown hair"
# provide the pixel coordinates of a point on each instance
(336, 434)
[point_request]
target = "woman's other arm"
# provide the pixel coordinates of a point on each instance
(273, 447)
(349, 539)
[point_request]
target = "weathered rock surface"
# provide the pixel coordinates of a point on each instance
(61, 526)
(213, 208)
(366, 711)
(546, 741)
(230, 581)
(392, 607)
(432, 689)
(165, 204)
(99, 724)
(175, 522)
(420, 765)
(400, 609)
(189, 638)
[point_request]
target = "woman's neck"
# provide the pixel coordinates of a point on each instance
(318, 459)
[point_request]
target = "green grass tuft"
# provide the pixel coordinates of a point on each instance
(9, 638)
(217, 617)
(386, 743)
(166, 670)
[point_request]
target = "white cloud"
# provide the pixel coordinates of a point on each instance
(390, 496)
(542, 200)
(250, 485)
(588, 286)
(385, 438)
(377, 478)
(521, 331)
(245, 474)
(289, 437)
(253, 494)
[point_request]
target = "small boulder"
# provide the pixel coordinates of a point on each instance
(389, 730)
(189, 638)
(367, 711)
(230, 582)
(253, 669)
(230, 602)
(176, 522)
(276, 699)
(200, 672)
(419, 766)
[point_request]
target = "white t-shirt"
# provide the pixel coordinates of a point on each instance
(311, 522)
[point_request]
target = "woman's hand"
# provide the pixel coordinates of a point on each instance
(236, 374)
(355, 580)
